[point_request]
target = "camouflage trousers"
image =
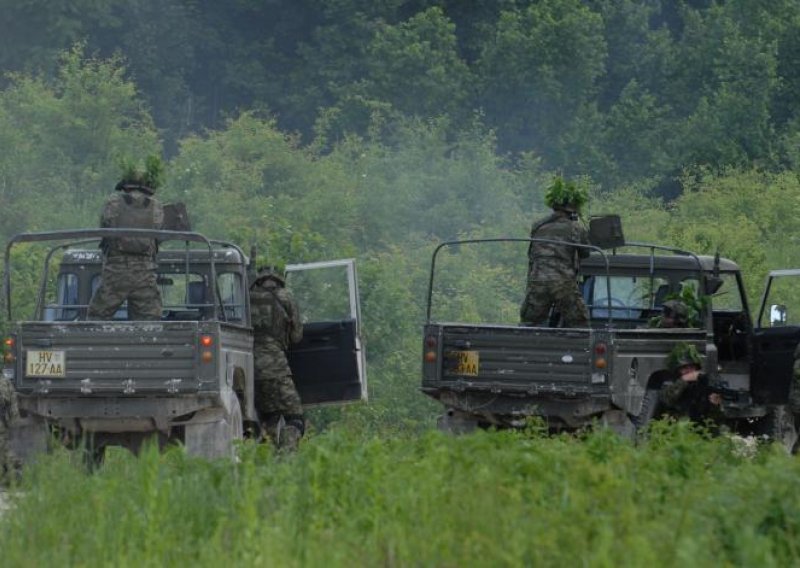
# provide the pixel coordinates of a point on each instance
(131, 278)
(562, 295)
(275, 392)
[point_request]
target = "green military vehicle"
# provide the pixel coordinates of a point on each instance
(498, 374)
(185, 379)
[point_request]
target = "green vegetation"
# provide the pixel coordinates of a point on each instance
(497, 498)
(378, 130)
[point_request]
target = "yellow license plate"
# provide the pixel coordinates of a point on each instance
(45, 364)
(465, 362)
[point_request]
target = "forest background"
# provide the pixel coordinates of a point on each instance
(376, 130)
(318, 130)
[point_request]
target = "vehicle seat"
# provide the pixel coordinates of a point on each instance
(197, 293)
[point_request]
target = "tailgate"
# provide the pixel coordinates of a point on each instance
(107, 357)
(508, 359)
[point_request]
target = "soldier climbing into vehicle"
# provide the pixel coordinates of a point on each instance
(277, 325)
(553, 268)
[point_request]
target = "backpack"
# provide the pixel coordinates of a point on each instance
(133, 215)
(269, 313)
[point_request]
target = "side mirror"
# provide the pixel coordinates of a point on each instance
(777, 315)
(713, 284)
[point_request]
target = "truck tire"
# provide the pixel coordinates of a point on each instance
(216, 438)
(779, 426)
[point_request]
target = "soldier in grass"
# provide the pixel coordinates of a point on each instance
(129, 263)
(553, 268)
(276, 325)
(8, 413)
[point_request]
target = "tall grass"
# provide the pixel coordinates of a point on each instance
(488, 499)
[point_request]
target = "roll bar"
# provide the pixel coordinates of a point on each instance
(85, 236)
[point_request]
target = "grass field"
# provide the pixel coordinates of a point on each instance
(488, 499)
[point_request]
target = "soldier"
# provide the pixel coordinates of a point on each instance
(794, 389)
(8, 413)
(689, 394)
(674, 314)
(277, 324)
(552, 268)
(129, 264)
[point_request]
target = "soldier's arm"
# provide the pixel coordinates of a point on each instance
(110, 210)
(583, 238)
(671, 392)
(158, 215)
(14, 405)
(295, 323)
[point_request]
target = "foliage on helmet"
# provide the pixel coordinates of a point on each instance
(151, 176)
(683, 354)
(273, 272)
(694, 305)
(563, 193)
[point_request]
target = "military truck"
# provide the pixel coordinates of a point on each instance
(611, 372)
(185, 379)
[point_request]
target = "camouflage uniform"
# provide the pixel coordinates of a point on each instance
(276, 323)
(129, 266)
(8, 413)
(690, 400)
(552, 275)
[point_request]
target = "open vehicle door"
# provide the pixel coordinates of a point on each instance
(775, 337)
(329, 363)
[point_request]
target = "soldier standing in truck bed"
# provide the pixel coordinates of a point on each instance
(129, 263)
(553, 268)
(276, 325)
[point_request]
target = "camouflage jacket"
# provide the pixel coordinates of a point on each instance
(690, 399)
(551, 261)
(275, 314)
(8, 403)
(134, 210)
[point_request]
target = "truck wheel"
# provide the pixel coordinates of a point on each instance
(650, 404)
(235, 420)
(216, 438)
(618, 422)
(778, 425)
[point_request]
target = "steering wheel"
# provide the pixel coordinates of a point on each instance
(603, 302)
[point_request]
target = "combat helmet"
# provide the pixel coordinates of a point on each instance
(682, 355)
(562, 194)
(271, 272)
(677, 310)
(146, 179)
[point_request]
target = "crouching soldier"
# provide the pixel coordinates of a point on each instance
(689, 394)
(276, 325)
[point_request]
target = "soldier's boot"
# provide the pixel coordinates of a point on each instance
(289, 436)
(271, 427)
